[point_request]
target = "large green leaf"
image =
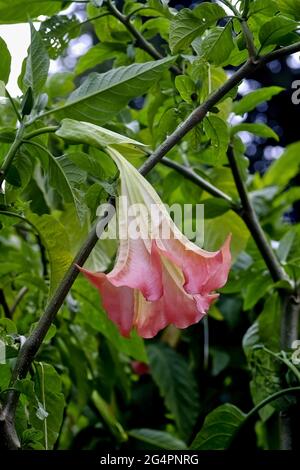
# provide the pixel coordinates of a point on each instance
(269, 322)
(260, 129)
(285, 168)
(187, 24)
(290, 7)
(217, 229)
(47, 417)
(276, 29)
(253, 99)
(176, 384)
(217, 45)
(37, 63)
(55, 239)
(98, 54)
(219, 428)
(18, 11)
(102, 96)
(64, 176)
(217, 131)
(158, 439)
(5, 61)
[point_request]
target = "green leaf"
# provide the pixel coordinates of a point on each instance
(64, 176)
(57, 32)
(186, 88)
(158, 439)
(285, 168)
(176, 384)
(257, 289)
(219, 428)
(276, 29)
(60, 84)
(290, 7)
(217, 229)
(5, 61)
(253, 99)
(18, 11)
(187, 24)
(262, 130)
(48, 414)
(214, 207)
(217, 131)
(217, 45)
(285, 246)
(99, 53)
(107, 414)
(102, 96)
(269, 323)
(55, 239)
(264, 8)
(37, 64)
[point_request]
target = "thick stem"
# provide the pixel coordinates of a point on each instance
(290, 312)
(252, 222)
(289, 334)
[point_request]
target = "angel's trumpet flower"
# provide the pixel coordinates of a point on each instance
(157, 280)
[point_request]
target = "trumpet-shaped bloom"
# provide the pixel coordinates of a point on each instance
(159, 277)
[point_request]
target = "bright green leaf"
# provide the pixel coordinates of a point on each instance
(37, 63)
(176, 384)
(219, 428)
(102, 96)
(5, 61)
(158, 439)
(253, 99)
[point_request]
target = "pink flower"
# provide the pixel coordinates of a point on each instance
(156, 280)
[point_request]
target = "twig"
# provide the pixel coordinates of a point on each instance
(18, 299)
(199, 181)
(4, 304)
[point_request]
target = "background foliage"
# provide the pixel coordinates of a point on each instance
(147, 67)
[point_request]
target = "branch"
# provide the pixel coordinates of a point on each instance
(4, 304)
(199, 181)
(252, 222)
(279, 53)
(248, 39)
(18, 299)
(140, 40)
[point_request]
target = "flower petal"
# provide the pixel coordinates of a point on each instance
(174, 307)
(138, 268)
(117, 301)
(203, 271)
